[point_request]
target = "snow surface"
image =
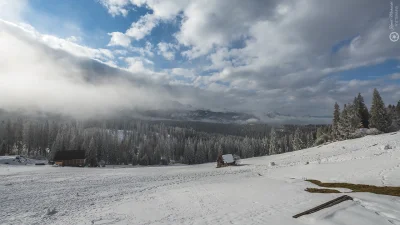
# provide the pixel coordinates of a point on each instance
(254, 193)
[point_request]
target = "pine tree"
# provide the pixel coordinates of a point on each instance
(57, 145)
(9, 136)
(19, 135)
(349, 121)
(310, 140)
(297, 140)
(201, 153)
(91, 153)
(354, 118)
(272, 142)
(396, 117)
(336, 120)
(264, 146)
(189, 152)
(361, 110)
(379, 116)
(286, 141)
(343, 125)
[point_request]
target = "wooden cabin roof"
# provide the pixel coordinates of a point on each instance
(228, 158)
(69, 155)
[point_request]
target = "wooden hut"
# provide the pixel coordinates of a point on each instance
(70, 158)
(227, 160)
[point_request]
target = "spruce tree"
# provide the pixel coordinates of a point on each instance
(264, 146)
(297, 140)
(397, 115)
(398, 108)
(310, 140)
(394, 117)
(354, 118)
(379, 115)
(349, 121)
(91, 153)
(272, 142)
(335, 122)
(361, 110)
(58, 145)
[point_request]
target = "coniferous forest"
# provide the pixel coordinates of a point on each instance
(139, 142)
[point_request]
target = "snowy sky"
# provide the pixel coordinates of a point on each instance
(290, 56)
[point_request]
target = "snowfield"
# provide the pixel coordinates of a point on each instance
(255, 193)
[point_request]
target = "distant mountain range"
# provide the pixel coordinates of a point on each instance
(204, 115)
(180, 112)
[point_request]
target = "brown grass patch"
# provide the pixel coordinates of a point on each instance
(321, 190)
(393, 191)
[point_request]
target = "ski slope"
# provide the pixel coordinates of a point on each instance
(254, 193)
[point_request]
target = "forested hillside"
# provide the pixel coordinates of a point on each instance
(133, 141)
(149, 142)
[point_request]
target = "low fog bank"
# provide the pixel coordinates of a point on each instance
(36, 78)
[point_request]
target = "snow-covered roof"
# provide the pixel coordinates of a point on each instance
(228, 158)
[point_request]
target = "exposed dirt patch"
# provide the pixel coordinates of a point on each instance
(321, 190)
(393, 191)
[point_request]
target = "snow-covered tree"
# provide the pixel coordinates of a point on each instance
(264, 146)
(201, 152)
(189, 152)
(9, 136)
(297, 141)
(91, 153)
(379, 115)
(396, 116)
(272, 142)
(19, 135)
(310, 140)
(344, 125)
(335, 121)
(361, 110)
(286, 143)
(73, 140)
(246, 147)
(349, 121)
(354, 118)
(58, 145)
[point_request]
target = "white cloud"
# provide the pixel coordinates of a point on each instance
(116, 7)
(12, 10)
(146, 51)
(276, 53)
(167, 50)
(183, 72)
(120, 52)
(119, 39)
(138, 64)
(57, 43)
(34, 76)
(142, 27)
(162, 11)
(395, 76)
(74, 39)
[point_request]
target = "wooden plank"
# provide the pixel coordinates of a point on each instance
(325, 205)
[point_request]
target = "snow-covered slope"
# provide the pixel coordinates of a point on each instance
(254, 193)
(18, 160)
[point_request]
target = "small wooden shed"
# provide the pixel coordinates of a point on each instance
(226, 160)
(70, 158)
